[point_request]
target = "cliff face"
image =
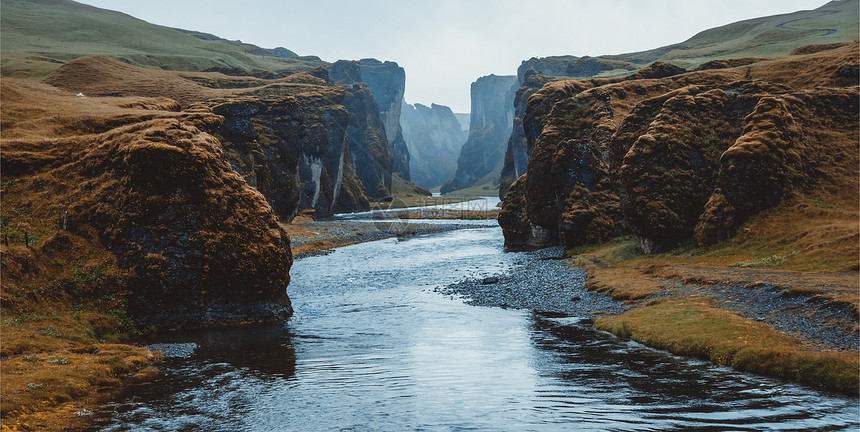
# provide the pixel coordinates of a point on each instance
(491, 121)
(387, 82)
(186, 190)
(196, 244)
(434, 137)
(670, 156)
(518, 150)
(304, 143)
(532, 74)
(294, 148)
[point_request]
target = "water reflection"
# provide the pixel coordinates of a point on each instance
(623, 382)
(266, 350)
(373, 347)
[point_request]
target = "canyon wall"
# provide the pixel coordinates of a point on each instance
(387, 82)
(491, 122)
(532, 74)
(147, 182)
(671, 155)
(184, 177)
(434, 137)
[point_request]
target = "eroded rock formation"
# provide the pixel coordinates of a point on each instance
(198, 245)
(670, 155)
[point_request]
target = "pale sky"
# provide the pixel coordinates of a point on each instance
(445, 45)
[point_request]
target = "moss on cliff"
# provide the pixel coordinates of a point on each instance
(670, 156)
(195, 243)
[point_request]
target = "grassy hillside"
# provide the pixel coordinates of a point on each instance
(837, 21)
(777, 35)
(39, 36)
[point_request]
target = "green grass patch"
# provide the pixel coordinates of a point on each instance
(40, 36)
(694, 327)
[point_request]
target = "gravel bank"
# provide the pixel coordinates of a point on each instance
(540, 281)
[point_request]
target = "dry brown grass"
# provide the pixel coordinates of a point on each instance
(810, 66)
(66, 294)
(620, 281)
(104, 76)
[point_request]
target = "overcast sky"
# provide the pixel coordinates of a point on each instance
(445, 45)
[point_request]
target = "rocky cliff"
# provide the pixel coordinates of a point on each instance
(434, 137)
(491, 121)
(387, 82)
(671, 155)
(186, 185)
(297, 149)
(148, 182)
(518, 149)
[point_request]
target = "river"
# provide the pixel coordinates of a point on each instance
(373, 347)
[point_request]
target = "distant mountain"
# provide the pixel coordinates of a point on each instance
(490, 126)
(463, 118)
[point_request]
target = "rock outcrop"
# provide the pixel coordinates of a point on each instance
(303, 142)
(518, 149)
(387, 82)
(295, 148)
(434, 137)
(670, 155)
(197, 245)
(491, 121)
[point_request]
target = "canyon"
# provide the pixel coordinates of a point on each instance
(434, 136)
(152, 185)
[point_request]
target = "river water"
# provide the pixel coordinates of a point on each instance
(373, 347)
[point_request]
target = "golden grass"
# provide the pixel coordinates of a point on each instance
(51, 369)
(613, 269)
(694, 327)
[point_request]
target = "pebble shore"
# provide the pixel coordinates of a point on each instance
(540, 281)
